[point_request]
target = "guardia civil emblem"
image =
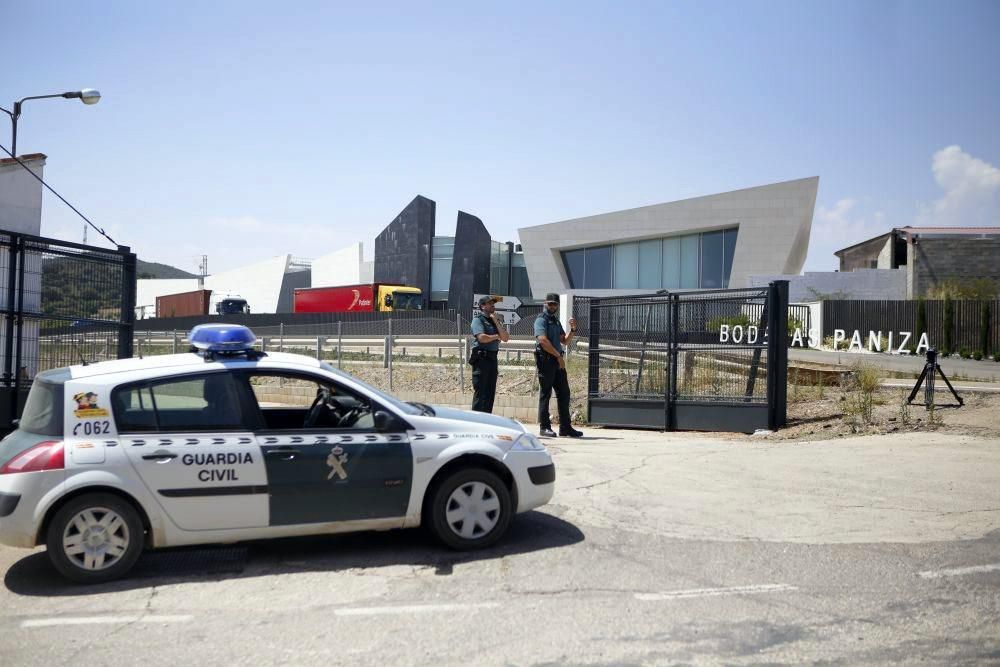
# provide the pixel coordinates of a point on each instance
(336, 461)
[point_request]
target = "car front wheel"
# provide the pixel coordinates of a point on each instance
(95, 538)
(471, 509)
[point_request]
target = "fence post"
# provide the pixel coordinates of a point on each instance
(127, 317)
(175, 341)
(777, 353)
(461, 353)
(281, 337)
(593, 354)
(340, 343)
(319, 348)
(388, 353)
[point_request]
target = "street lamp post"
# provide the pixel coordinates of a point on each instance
(87, 96)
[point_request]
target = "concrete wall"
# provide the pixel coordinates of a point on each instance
(774, 224)
(951, 258)
(470, 265)
(403, 248)
(862, 255)
(21, 195)
(861, 284)
(341, 267)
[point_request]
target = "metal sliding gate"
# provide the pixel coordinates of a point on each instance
(61, 303)
(708, 361)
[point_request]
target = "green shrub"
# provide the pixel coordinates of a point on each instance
(996, 357)
(984, 328)
(921, 320)
(741, 320)
(865, 380)
(949, 325)
(964, 353)
(977, 355)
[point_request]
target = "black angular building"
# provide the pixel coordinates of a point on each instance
(449, 270)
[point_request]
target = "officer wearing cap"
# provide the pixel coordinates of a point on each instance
(551, 366)
(489, 332)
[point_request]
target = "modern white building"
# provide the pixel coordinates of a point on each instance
(346, 266)
(268, 286)
(707, 242)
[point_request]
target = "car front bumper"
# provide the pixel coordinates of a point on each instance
(534, 474)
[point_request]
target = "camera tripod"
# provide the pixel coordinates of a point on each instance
(930, 367)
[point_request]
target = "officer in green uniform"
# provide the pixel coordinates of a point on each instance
(551, 365)
(489, 332)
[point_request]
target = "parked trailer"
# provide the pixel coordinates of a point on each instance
(183, 303)
(367, 297)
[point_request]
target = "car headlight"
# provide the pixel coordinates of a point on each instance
(528, 443)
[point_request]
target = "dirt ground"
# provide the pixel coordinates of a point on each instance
(811, 417)
(813, 413)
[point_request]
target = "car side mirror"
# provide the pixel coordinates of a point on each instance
(384, 421)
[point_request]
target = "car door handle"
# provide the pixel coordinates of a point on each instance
(161, 457)
(285, 453)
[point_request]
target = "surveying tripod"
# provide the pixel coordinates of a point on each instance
(930, 366)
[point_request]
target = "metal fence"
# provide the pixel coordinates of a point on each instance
(898, 316)
(713, 360)
(63, 303)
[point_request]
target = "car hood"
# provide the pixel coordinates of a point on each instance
(469, 416)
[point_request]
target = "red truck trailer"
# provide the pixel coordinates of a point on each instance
(356, 298)
(184, 303)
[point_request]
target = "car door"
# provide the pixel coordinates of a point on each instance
(327, 471)
(188, 439)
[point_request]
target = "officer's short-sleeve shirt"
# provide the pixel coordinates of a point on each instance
(551, 328)
(484, 325)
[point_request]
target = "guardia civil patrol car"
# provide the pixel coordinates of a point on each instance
(227, 444)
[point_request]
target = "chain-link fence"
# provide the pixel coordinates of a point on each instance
(425, 352)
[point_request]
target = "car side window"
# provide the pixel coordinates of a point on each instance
(208, 402)
(293, 401)
(134, 410)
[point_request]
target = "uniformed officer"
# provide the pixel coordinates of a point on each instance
(489, 332)
(551, 365)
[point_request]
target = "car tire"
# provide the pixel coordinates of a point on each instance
(471, 509)
(95, 538)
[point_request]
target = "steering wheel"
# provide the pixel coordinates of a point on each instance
(350, 417)
(316, 409)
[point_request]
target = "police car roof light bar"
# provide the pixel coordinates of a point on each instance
(212, 341)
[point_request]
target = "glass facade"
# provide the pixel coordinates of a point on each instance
(442, 252)
(691, 261)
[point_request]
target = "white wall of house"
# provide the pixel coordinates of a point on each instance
(346, 266)
(21, 195)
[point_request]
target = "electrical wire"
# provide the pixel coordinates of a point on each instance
(61, 198)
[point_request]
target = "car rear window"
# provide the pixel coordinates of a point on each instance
(43, 411)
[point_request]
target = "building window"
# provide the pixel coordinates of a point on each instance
(598, 268)
(690, 249)
(626, 266)
(730, 250)
(649, 264)
(442, 253)
(711, 260)
(574, 261)
(690, 261)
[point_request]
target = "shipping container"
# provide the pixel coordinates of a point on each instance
(183, 304)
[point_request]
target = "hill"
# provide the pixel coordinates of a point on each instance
(157, 270)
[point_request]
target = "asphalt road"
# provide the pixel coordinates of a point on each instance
(657, 549)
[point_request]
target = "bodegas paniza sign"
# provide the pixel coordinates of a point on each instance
(896, 342)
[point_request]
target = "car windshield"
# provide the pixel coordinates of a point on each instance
(406, 301)
(378, 393)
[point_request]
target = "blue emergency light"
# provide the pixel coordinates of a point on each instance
(213, 340)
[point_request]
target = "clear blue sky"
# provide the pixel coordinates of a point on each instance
(245, 129)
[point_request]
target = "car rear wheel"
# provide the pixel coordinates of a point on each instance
(95, 538)
(471, 509)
